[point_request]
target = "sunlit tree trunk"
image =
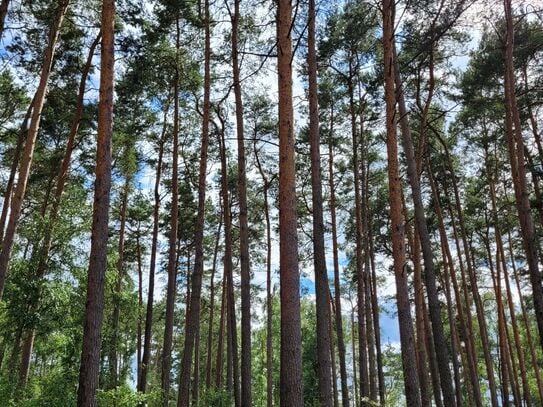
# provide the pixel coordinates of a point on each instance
(411, 382)
(291, 389)
(30, 142)
(94, 309)
(45, 247)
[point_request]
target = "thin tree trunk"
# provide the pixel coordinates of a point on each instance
(220, 340)
(516, 158)
(473, 280)
(362, 339)
(194, 307)
(140, 308)
(115, 319)
(434, 308)
(535, 364)
(353, 350)
(243, 222)
(411, 382)
(375, 310)
(94, 310)
(269, 288)
(337, 283)
(333, 355)
(146, 358)
(212, 304)
(422, 365)
(319, 259)
(28, 151)
(171, 287)
(500, 255)
(13, 170)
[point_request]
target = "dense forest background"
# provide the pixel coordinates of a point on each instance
(259, 203)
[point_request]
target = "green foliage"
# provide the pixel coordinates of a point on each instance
(124, 396)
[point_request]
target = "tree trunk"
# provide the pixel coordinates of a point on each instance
(291, 388)
(337, 283)
(171, 287)
(411, 382)
(228, 267)
(434, 308)
(220, 340)
(3, 12)
(513, 131)
(269, 287)
(94, 309)
(194, 307)
(319, 259)
(115, 319)
(21, 137)
(146, 358)
(212, 304)
(243, 223)
(28, 151)
(529, 338)
(44, 249)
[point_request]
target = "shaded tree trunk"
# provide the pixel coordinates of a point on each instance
(513, 131)
(243, 222)
(337, 283)
(193, 317)
(3, 12)
(319, 260)
(269, 288)
(171, 287)
(212, 304)
(94, 309)
(146, 358)
(434, 308)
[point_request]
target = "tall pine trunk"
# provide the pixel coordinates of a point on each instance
(291, 389)
(440, 342)
(193, 317)
(513, 132)
(94, 309)
(146, 357)
(337, 283)
(319, 259)
(409, 362)
(243, 222)
(171, 287)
